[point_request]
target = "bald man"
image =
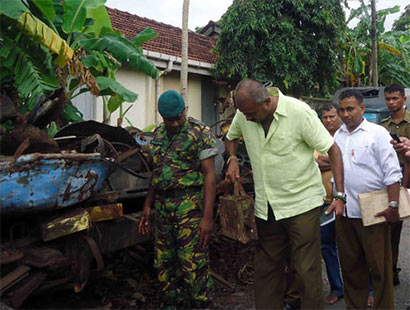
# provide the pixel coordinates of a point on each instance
(281, 134)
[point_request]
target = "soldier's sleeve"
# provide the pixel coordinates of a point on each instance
(207, 144)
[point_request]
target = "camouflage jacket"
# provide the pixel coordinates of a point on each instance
(176, 162)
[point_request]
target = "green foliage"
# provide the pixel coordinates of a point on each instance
(394, 58)
(31, 78)
(75, 13)
(403, 23)
(144, 36)
(291, 43)
(12, 9)
(77, 36)
(115, 87)
(393, 50)
(123, 50)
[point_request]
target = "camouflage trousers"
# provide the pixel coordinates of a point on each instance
(182, 265)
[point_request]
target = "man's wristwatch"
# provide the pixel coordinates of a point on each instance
(393, 204)
(341, 196)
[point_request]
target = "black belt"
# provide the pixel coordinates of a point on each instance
(178, 192)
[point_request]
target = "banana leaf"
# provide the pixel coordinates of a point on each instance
(107, 83)
(123, 50)
(40, 32)
(75, 13)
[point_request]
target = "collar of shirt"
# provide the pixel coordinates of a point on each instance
(389, 119)
(281, 107)
(163, 131)
(364, 125)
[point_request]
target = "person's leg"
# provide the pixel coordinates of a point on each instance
(193, 259)
(304, 235)
(355, 271)
(165, 259)
(293, 285)
(330, 256)
(395, 241)
(377, 246)
(270, 260)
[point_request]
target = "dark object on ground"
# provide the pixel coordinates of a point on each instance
(40, 141)
(48, 110)
(8, 109)
(396, 280)
(88, 128)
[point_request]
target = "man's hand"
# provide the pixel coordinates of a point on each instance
(232, 172)
(205, 231)
(338, 206)
(402, 148)
(390, 214)
(144, 225)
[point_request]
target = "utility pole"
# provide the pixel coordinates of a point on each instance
(184, 52)
(373, 59)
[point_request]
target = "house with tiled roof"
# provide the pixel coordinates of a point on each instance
(165, 52)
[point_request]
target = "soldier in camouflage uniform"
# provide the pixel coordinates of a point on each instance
(182, 190)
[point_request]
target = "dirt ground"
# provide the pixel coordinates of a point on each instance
(129, 280)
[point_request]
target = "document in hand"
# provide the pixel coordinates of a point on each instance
(377, 201)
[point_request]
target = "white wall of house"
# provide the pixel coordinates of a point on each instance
(142, 85)
(172, 81)
(143, 111)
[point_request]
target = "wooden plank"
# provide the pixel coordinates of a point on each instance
(13, 277)
(69, 223)
(105, 212)
(221, 279)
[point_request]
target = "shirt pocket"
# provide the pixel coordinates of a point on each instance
(281, 144)
(363, 155)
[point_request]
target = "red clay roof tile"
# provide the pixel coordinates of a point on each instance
(168, 40)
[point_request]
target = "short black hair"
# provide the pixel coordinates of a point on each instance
(351, 92)
(328, 107)
(392, 88)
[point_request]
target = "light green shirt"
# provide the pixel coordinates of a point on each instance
(284, 169)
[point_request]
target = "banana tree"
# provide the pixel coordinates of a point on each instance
(50, 44)
(356, 46)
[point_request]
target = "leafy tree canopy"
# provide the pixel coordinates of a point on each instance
(403, 23)
(291, 43)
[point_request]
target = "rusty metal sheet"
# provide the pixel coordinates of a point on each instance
(66, 224)
(10, 256)
(24, 288)
(237, 217)
(49, 181)
(105, 212)
(13, 277)
(44, 257)
(118, 233)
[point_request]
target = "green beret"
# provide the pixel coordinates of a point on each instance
(170, 104)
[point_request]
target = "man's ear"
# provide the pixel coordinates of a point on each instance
(362, 107)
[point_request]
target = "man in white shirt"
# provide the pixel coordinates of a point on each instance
(370, 163)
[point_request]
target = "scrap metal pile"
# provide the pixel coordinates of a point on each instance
(60, 200)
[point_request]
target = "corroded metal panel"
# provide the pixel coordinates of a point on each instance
(237, 218)
(69, 223)
(105, 212)
(48, 181)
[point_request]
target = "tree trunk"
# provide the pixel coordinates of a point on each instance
(184, 52)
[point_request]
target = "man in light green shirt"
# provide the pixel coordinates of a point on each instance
(281, 134)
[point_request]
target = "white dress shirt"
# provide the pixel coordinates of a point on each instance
(370, 163)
